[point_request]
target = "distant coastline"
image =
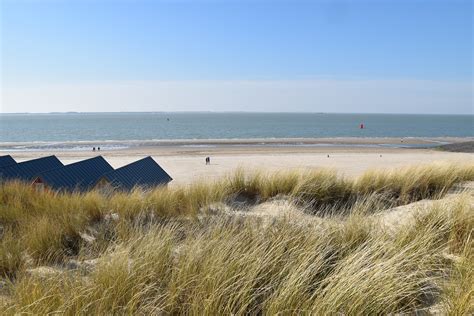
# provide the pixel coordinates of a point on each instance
(230, 112)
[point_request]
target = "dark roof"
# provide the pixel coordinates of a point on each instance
(143, 173)
(27, 170)
(6, 161)
(79, 176)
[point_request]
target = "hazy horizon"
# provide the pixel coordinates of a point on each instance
(236, 111)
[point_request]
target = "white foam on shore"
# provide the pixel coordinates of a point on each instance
(61, 147)
(212, 143)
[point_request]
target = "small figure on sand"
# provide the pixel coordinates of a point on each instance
(98, 148)
(93, 148)
(208, 160)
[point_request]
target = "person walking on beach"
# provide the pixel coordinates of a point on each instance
(208, 160)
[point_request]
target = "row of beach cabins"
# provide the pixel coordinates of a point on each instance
(94, 173)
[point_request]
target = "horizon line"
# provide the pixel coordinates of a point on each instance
(223, 112)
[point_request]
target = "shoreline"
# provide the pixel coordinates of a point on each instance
(114, 145)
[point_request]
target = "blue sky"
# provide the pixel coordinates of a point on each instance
(419, 51)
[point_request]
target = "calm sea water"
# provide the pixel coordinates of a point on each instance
(156, 126)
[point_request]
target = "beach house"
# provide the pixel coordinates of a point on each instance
(78, 176)
(144, 173)
(50, 173)
(28, 170)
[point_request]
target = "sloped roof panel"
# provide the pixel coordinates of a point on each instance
(80, 175)
(6, 161)
(143, 173)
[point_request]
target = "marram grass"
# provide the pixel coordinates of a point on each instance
(162, 251)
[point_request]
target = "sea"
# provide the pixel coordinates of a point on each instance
(122, 130)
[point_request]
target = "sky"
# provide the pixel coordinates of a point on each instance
(378, 56)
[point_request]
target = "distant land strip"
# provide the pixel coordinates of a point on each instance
(463, 147)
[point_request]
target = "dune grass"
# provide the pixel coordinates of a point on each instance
(231, 265)
(160, 251)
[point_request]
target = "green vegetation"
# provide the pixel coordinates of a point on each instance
(172, 250)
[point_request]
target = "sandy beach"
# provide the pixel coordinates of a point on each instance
(184, 160)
